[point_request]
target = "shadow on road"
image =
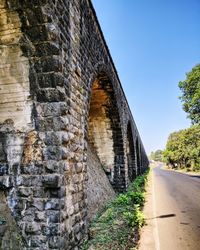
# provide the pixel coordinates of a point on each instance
(184, 223)
(195, 176)
(162, 216)
(166, 216)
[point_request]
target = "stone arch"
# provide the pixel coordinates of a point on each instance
(104, 130)
(130, 153)
(138, 156)
(15, 103)
(142, 161)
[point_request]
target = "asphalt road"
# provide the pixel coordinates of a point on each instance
(173, 212)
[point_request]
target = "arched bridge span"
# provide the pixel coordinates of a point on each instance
(68, 140)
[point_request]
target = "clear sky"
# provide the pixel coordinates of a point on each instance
(153, 44)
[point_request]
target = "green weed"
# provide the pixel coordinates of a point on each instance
(135, 217)
(112, 228)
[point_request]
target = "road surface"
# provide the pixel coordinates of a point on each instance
(172, 211)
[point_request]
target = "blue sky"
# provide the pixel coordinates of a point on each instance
(153, 44)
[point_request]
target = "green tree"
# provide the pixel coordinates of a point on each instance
(190, 98)
(183, 149)
(151, 157)
(157, 155)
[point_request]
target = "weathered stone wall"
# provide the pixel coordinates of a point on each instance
(99, 189)
(14, 72)
(10, 237)
(59, 91)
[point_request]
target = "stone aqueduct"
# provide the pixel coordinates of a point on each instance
(65, 124)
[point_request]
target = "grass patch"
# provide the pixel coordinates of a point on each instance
(118, 226)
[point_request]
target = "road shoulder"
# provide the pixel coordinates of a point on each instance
(181, 171)
(148, 236)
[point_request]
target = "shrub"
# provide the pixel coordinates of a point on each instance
(137, 197)
(135, 218)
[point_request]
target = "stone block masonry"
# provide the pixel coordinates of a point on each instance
(59, 93)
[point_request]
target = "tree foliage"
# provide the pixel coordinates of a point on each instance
(190, 98)
(183, 149)
(157, 155)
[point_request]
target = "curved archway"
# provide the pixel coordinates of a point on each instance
(104, 130)
(138, 157)
(130, 153)
(142, 161)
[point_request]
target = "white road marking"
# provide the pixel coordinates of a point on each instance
(155, 233)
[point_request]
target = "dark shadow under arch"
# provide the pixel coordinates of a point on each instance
(130, 153)
(138, 157)
(104, 130)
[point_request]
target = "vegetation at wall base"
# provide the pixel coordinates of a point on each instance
(117, 227)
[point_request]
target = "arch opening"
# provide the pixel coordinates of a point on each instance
(138, 157)
(130, 153)
(104, 131)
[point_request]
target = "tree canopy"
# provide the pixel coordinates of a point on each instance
(157, 155)
(190, 98)
(183, 149)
